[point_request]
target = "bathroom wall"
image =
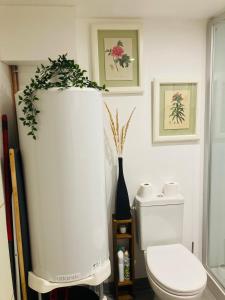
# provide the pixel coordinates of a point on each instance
(174, 50)
(6, 291)
(6, 103)
(36, 33)
(30, 35)
(6, 107)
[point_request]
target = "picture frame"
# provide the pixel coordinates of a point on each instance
(175, 111)
(117, 57)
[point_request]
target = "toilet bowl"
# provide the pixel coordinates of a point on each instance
(174, 272)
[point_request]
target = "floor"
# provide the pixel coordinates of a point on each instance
(219, 272)
(147, 295)
(208, 295)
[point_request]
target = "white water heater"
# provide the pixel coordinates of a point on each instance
(65, 185)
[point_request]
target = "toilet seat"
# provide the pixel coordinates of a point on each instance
(175, 269)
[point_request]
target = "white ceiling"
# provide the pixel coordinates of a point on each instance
(194, 9)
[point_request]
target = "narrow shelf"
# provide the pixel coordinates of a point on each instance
(122, 221)
(124, 290)
(123, 236)
(125, 297)
(125, 282)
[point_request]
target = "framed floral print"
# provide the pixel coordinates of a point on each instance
(175, 111)
(116, 50)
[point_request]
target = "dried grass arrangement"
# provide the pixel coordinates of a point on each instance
(119, 133)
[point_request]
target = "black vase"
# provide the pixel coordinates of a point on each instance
(122, 198)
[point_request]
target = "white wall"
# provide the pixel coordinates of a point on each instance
(6, 104)
(173, 49)
(6, 288)
(35, 33)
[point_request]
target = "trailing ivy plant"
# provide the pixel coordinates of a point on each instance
(62, 73)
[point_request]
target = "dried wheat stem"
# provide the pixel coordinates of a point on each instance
(117, 127)
(122, 140)
(114, 138)
(128, 123)
(113, 127)
(119, 137)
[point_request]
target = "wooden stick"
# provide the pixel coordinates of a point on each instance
(15, 82)
(15, 88)
(17, 271)
(17, 223)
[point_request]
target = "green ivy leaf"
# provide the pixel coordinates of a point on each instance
(65, 74)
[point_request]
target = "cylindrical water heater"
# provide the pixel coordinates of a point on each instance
(65, 185)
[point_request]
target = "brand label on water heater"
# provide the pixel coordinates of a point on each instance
(68, 277)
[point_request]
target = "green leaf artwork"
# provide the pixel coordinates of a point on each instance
(177, 109)
(62, 73)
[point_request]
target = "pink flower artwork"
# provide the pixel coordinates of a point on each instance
(120, 58)
(117, 51)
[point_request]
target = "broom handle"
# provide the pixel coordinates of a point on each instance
(18, 224)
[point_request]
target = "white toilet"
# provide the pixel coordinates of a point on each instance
(173, 271)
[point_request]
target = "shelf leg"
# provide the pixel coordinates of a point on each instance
(101, 292)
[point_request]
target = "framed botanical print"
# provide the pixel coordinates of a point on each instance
(175, 111)
(116, 50)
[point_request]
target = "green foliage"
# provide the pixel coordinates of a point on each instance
(177, 108)
(120, 44)
(62, 73)
(124, 61)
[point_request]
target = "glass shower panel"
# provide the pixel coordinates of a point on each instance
(216, 239)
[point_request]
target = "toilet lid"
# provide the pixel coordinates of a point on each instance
(176, 269)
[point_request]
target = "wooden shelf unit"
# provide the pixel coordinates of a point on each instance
(125, 282)
(123, 290)
(123, 236)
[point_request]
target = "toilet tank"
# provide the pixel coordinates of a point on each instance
(159, 220)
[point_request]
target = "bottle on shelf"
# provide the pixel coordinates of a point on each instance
(126, 265)
(121, 265)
